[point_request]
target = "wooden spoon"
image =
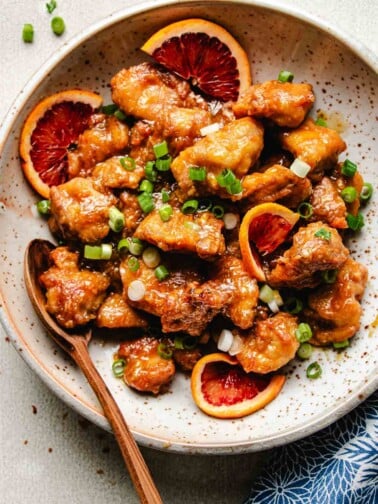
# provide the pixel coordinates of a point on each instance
(76, 345)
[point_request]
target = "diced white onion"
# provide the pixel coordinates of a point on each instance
(273, 306)
(136, 290)
(236, 346)
(230, 220)
(151, 257)
(300, 168)
(225, 340)
(211, 128)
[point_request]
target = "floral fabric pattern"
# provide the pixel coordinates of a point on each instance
(338, 465)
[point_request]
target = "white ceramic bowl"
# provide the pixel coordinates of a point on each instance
(344, 79)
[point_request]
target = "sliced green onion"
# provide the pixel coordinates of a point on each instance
(118, 367)
(133, 264)
(136, 246)
(314, 371)
(58, 26)
(165, 212)
(366, 191)
(305, 210)
(349, 194)
(161, 149)
(128, 163)
(293, 305)
(228, 180)
(185, 342)
(146, 202)
(303, 333)
(120, 115)
(285, 76)
(341, 344)
(355, 222)
(329, 276)
(348, 168)
(98, 252)
(123, 245)
(161, 272)
(165, 196)
(163, 164)
(305, 351)
(136, 290)
(116, 219)
(151, 257)
(150, 172)
(146, 186)
(321, 122)
(197, 173)
(324, 234)
(164, 351)
(204, 204)
(28, 33)
(230, 220)
(44, 207)
(266, 294)
(109, 109)
(51, 6)
(300, 168)
(218, 211)
(190, 206)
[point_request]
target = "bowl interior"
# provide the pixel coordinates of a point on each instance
(344, 87)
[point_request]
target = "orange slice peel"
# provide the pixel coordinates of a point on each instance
(263, 228)
(50, 128)
(222, 389)
(205, 54)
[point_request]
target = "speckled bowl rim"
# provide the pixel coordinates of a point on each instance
(83, 408)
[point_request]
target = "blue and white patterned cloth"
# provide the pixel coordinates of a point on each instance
(338, 465)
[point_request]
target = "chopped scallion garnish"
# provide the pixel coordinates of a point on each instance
(303, 333)
(366, 191)
(324, 234)
(190, 206)
(293, 305)
(120, 115)
(28, 33)
(136, 246)
(161, 149)
(150, 172)
(204, 204)
(305, 351)
(116, 219)
(321, 122)
(146, 202)
(58, 26)
(218, 211)
(329, 276)
(133, 264)
(44, 207)
(151, 257)
(165, 196)
(163, 163)
(355, 222)
(146, 186)
(314, 371)
(128, 163)
(164, 351)
(118, 367)
(161, 272)
(285, 76)
(98, 252)
(348, 168)
(123, 245)
(340, 344)
(349, 194)
(305, 210)
(197, 173)
(165, 212)
(51, 6)
(109, 109)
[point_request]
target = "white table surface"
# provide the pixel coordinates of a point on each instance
(48, 453)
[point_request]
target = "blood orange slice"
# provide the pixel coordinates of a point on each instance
(263, 228)
(221, 388)
(51, 128)
(205, 54)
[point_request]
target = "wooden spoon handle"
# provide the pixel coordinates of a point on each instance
(135, 463)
